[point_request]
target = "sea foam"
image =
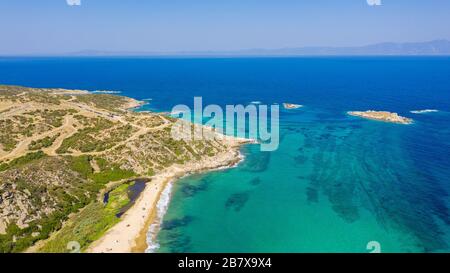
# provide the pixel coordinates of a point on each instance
(424, 111)
(161, 209)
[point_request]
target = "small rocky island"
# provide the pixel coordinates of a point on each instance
(382, 116)
(291, 106)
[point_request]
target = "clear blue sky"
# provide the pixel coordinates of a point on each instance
(52, 26)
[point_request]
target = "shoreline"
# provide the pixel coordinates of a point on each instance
(130, 234)
(142, 243)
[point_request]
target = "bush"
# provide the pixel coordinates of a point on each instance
(20, 161)
(43, 143)
(113, 174)
(81, 165)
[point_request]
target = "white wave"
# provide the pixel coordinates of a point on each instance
(255, 102)
(424, 111)
(163, 205)
(105, 92)
(152, 244)
(176, 113)
(161, 209)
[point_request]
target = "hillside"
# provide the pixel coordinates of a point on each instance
(59, 149)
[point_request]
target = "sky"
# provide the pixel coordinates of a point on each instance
(63, 26)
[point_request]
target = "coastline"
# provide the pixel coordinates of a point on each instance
(142, 243)
(130, 234)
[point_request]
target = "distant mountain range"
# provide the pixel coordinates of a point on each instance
(436, 47)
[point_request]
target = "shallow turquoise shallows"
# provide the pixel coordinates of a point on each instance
(335, 184)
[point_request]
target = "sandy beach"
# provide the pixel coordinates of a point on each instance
(130, 234)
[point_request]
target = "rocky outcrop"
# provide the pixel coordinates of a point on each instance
(382, 116)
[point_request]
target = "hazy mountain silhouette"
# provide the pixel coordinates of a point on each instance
(436, 47)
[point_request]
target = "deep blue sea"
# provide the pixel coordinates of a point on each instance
(334, 184)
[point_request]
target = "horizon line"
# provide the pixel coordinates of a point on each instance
(258, 52)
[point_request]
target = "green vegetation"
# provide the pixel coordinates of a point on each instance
(118, 198)
(87, 226)
(43, 142)
(81, 165)
(17, 239)
(77, 188)
(51, 117)
(102, 163)
(150, 172)
(108, 102)
(113, 174)
(20, 161)
(10, 92)
(12, 129)
(108, 172)
(44, 98)
(91, 223)
(8, 143)
(101, 135)
(63, 198)
(39, 192)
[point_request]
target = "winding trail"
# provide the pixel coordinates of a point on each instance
(67, 130)
(22, 147)
(142, 131)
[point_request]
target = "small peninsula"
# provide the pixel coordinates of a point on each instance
(381, 116)
(62, 150)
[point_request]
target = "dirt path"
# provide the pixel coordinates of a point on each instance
(142, 131)
(22, 147)
(69, 130)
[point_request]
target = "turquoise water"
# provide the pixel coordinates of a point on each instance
(335, 183)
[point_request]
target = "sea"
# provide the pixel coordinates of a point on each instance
(336, 183)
